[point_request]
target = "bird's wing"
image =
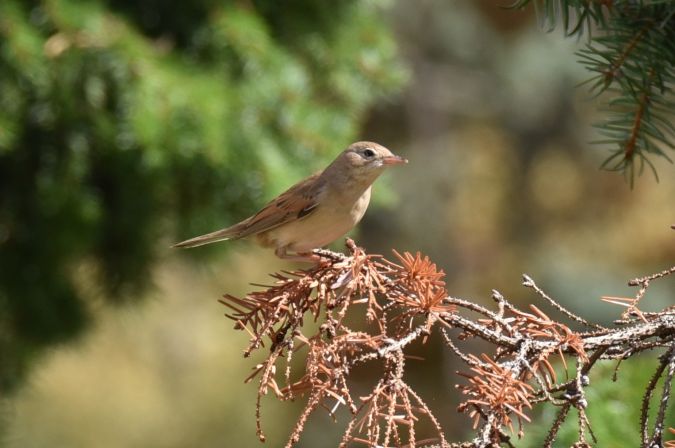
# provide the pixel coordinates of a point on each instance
(297, 202)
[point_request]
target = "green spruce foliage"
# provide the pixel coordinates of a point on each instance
(124, 120)
(631, 53)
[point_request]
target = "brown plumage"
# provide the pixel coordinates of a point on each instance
(316, 210)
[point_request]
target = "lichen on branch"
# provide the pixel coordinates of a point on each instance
(366, 310)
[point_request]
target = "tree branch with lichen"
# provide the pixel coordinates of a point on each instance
(369, 309)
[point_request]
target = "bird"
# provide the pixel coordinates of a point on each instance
(317, 210)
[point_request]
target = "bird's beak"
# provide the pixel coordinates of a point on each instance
(394, 160)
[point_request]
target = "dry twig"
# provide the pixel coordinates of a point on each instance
(390, 304)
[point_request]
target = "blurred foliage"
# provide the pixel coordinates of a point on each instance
(123, 119)
(631, 52)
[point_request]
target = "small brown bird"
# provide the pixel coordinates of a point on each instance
(316, 211)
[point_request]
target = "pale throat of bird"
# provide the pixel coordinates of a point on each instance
(356, 182)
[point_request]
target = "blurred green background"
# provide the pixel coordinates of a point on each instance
(127, 125)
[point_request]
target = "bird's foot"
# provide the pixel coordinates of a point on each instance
(309, 257)
(302, 257)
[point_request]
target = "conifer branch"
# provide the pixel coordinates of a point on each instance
(631, 50)
(393, 303)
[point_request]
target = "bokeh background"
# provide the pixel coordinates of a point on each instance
(127, 125)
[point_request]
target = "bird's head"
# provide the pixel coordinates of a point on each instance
(367, 156)
(361, 163)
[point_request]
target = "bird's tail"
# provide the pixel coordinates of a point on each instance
(218, 235)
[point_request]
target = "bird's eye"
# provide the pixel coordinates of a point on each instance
(368, 153)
